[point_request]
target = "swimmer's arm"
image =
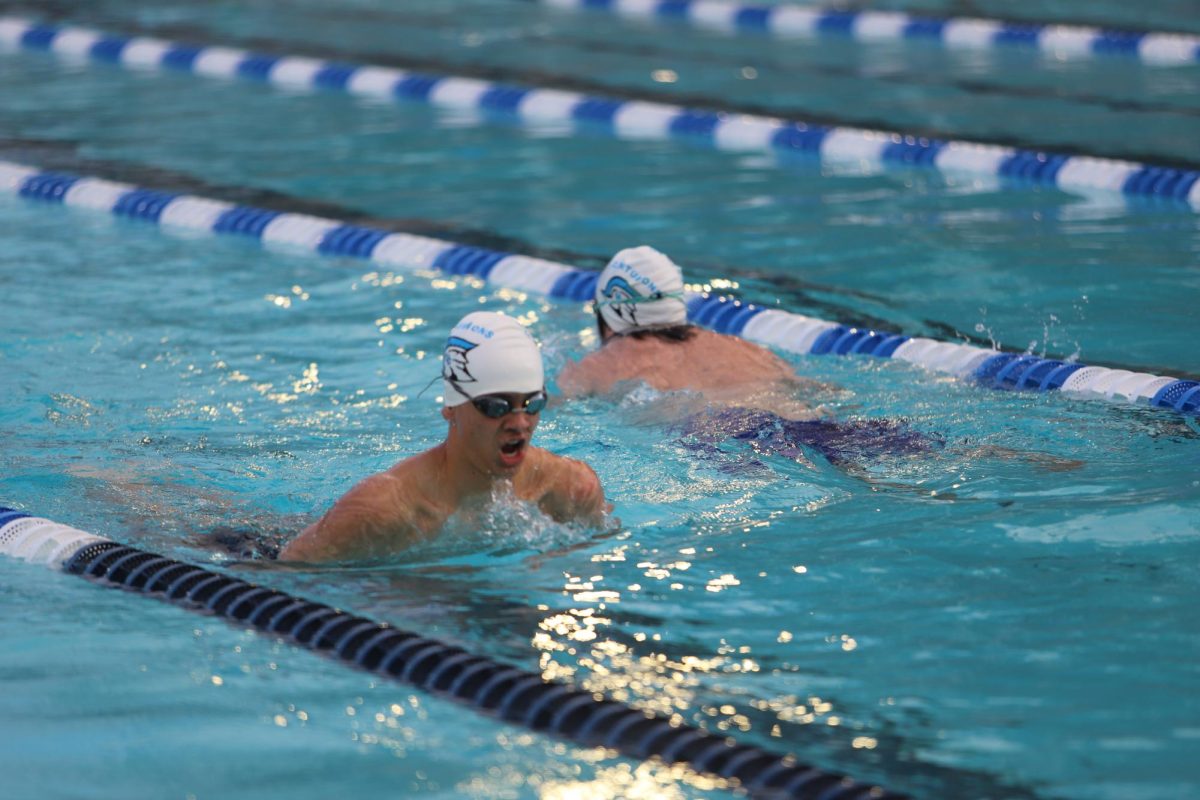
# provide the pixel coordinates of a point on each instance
(588, 497)
(1043, 462)
(579, 496)
(363, 523)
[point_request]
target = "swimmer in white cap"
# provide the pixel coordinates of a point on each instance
(717, 386)
(645, 337)
(494, 390)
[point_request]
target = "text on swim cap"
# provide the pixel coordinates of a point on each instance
(636, 276)
(486, 333)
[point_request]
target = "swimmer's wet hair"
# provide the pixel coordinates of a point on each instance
(667, 333)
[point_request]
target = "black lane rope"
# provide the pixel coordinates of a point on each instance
(512, 694)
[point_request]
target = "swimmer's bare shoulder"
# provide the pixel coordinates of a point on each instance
(595, 373)
(570, 490)
(744, 362)
(382, 513)
(742, 356)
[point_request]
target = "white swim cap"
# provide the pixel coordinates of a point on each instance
(640, 288)
(489, 353)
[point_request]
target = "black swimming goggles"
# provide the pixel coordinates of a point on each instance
(495, 406)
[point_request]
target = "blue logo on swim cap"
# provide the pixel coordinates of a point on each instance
(621, 298)
(454, 360)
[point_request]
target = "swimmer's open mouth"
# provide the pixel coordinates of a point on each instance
(513, 453)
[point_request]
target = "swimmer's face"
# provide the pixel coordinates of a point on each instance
(496, 446)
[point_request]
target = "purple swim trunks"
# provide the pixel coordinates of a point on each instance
(839, 442)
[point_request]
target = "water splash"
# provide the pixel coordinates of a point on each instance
(501, 524)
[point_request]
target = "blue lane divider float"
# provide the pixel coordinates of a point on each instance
(788, 21)
(791, 332)
(992, 368)
(512, 694)
(633, 119)
(305, 232)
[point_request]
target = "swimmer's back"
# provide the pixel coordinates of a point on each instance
(707, 361)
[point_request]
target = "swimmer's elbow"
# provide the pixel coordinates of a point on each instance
(343, 541)
(307, 547)
(329, 539)
(294, 550)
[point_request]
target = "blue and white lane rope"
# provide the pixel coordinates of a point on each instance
(993, 368)
(786, 21)
(794, 333)
(632, 119)
(514, 695)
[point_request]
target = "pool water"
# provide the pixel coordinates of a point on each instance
(1009, 615)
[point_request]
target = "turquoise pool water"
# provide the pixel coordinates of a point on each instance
(1009, 617)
